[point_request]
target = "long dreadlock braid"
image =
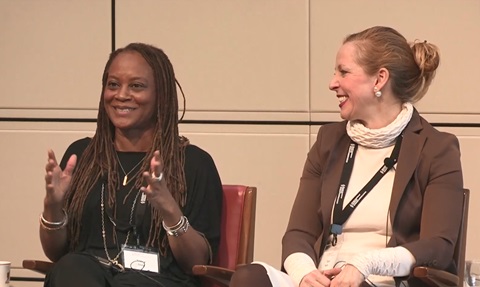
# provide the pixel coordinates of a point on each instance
(99, 160)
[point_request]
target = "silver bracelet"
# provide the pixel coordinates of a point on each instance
(46, 223)
(178, 229)
(44, 226)
(176, 226)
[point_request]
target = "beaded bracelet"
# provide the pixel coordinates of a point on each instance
(178, 229)
(52, 226)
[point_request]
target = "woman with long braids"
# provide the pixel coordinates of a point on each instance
(136, 204)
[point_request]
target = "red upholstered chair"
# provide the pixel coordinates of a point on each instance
(433, 277)
(236, 243)
(238, 230)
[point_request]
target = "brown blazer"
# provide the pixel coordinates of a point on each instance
(426, 201)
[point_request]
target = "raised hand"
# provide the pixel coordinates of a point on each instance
(57, 181)
(157, 191)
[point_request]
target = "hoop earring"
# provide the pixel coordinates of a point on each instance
(377, 93)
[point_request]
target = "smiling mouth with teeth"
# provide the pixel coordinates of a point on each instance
(342, 99)
(124, 110)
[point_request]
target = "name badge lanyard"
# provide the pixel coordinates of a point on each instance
(139, 217)
(340, 214)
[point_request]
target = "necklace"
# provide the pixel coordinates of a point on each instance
(114, 261)
(125, 178)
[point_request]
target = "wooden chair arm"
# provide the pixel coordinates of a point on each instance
(39, 266)
(435, 277)
(221, 276)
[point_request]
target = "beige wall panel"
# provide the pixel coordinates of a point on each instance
(452, 25)
(23, 150)
(469, 139)
(268, 157)
(52, 53)
(228, 55)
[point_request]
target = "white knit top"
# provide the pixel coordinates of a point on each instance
(367, 227)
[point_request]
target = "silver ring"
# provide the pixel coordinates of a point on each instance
(159, 178)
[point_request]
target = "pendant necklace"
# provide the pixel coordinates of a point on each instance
(125, 178)
(114, 260)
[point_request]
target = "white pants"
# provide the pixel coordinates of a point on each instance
(277, 277)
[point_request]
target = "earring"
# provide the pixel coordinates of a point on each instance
(377, 93)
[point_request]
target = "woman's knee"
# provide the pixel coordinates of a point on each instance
(74, 261)
(76, 270)
(254, 275)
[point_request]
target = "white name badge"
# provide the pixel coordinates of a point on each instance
(138, 258)
(330, 254)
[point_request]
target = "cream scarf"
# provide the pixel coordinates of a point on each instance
(383, 137)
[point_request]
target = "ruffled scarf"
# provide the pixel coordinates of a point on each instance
(383, 137)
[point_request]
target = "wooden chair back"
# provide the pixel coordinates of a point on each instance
(238, 226)
(461, 246)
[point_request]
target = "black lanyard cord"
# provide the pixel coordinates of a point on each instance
(140, 210)
(340, 214)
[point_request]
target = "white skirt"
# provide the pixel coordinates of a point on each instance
(277, 277)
